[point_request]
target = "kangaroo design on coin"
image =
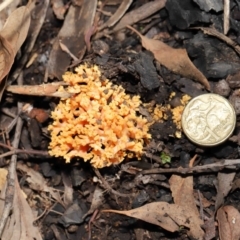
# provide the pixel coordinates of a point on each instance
(208, 119)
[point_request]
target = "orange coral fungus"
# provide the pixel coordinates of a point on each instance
(98, 123)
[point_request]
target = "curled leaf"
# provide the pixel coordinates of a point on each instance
(176, 60)
(228, 219)
(6, 57)
(168, 216)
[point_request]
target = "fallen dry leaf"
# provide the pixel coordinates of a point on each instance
(20, 223)
(176, 60)
(16, 28)
(182, 191)
(6, 57)
(3, 177)
(168, 216)
(224, 186)
(77, 21)
(12, 36)
(228, 219)
(171, 216)
(6, 8)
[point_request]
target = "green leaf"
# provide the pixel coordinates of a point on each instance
(165, 158)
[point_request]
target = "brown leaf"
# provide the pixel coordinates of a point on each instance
(3, 177)
(182, 191)
(228, 219)
(163, 214)
(20, 222)
(12, 36)
(176, 60)
(16, 28)
(224, 186)
(6, 57)
(77, 21)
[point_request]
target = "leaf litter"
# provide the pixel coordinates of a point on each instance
(21, 222)
(175, 60)
(172, 217)
(228, 219)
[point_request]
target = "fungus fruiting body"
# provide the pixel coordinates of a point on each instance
(98, 123)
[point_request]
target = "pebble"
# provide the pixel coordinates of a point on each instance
(235, 101)
(222, 88)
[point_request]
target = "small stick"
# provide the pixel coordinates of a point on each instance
(226, 13)
(213, 167)
(16, 151)
(108, 187)
(11, 177)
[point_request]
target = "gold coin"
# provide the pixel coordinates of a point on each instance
(208, 119)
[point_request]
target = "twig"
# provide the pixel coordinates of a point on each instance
(213, 167)
(89, 223)
(226, 12)
(200, 205)
(215, 33)
(16, 151)
(8, 204)
(108, 187)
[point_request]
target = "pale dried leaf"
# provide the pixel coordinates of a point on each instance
(168, 216)
(176, 60)
(182, 191)
(16, 28)
(3, 177)
(4, 14)
(228, 219)
(72, 34)
(224, 186)
(6, 57)
(12, 36)
(20, 224)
